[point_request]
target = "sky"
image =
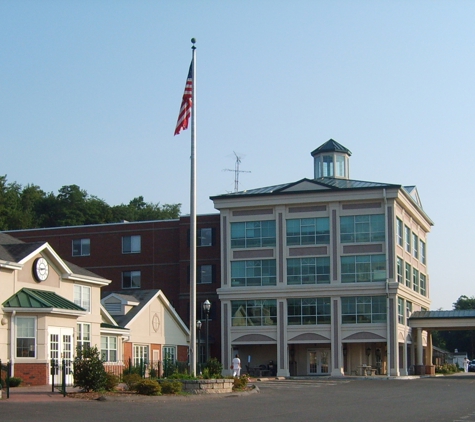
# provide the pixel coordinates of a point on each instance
(90, 93)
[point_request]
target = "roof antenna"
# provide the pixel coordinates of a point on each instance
(236, 172)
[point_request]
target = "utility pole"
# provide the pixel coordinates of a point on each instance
(236, 172)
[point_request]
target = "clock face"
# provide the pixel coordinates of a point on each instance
(40, 269)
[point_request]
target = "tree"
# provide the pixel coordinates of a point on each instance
(89, 371)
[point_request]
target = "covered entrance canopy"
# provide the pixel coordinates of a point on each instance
(438, 320)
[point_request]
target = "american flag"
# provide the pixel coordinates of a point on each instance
(186, 103)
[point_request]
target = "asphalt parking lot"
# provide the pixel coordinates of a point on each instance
(324, 399)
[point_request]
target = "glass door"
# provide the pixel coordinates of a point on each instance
(60, 347)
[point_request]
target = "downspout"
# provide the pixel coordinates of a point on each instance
(388, 328)
(12, 341)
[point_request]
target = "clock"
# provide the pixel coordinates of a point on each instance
(40, 269)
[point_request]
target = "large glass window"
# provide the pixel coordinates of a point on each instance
(141, 354)
(362, 228)
(407, 238)
(252, 313)
(399, 270)
(408, 309)
(363, 268)
(422, 251)
(253, 234)
(204, 274)
(363, 309)
(205, 237)
(131, 279)
(308, 231)
(400, 310)
(81, 247)
(131, 244)
(169, 354)
(399, 232)
(423, 280)
(82, 296)
(407, 274)
(415, 246)
(83, 337)
(309, 311)
(253, 273)
(109, 348)
(25, 337)
(308, 270)
(415, 280)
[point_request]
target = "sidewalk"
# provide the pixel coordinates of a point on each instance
(40, 393)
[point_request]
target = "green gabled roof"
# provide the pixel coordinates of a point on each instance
(331, 146)
(40, 299)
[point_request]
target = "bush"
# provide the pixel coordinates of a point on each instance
(131, 381)
(112, 381)
(448, 368)
(213, 369)
(240, 383)
(148, 387)
(89, 372)
(180, 376)
(14, 381)
(171, 387)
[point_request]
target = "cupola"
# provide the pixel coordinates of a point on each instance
(331, 160)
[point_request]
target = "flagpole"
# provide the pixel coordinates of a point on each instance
(193, 353)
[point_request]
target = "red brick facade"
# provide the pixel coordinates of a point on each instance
(32, 373)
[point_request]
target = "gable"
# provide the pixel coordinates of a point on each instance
(304, 185)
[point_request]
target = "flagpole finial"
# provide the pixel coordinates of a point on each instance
(193, 40)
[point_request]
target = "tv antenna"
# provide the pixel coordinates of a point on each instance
(236, 172)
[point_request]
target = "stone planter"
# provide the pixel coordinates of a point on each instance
(211, 386)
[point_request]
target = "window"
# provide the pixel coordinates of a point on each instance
(308, 231)
(309, 311)
(407, 238)
(253, 234)
(81, 247)
(131, 279)
(362, 228)
(169, 354)
(415, 280)
(407, 275)
(131, 244)
(415, 246)
(83, 338)
(25, 337)
(408, 309)
(363, 309)
(205, 237)
(399, 232)
(363, 268)
(423, 281)
(82, 296)
(109, 348)
(253, 273)
(308, 270)
(399, 270)
(400, 310)
(204, 274)
(253, 312)
(141, 354)
(422, 251)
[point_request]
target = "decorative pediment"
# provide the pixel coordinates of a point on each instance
(309, 337)
(364, 335)
(254, 338)
(304, 185)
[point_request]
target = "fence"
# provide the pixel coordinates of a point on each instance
(146, 369)
(5, 375)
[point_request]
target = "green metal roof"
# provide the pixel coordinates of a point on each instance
(331, 146)
(40, 299)
(467, 313)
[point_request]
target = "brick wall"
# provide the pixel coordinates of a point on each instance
(32, 373)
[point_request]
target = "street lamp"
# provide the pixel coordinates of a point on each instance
(206, 308)
(198, 326)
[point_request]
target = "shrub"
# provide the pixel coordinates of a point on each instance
(240, 383)
(14, 381)
(180, 376)
(213, 369)
(148, 387)
(112, 381)
(89, 372)
(447, 368)
(171, 387)
(131, 381)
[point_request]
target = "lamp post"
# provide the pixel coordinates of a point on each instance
(206, 308)
(198, 326)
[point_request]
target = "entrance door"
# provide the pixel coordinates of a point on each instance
(61, 347)
(318, 361)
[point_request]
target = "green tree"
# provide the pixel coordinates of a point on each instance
(89, 372)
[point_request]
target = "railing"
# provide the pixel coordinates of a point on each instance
(5, 375)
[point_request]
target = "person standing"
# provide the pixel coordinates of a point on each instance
(236, 366)
(465, 364)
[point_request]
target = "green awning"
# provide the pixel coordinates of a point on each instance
(40, 299)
